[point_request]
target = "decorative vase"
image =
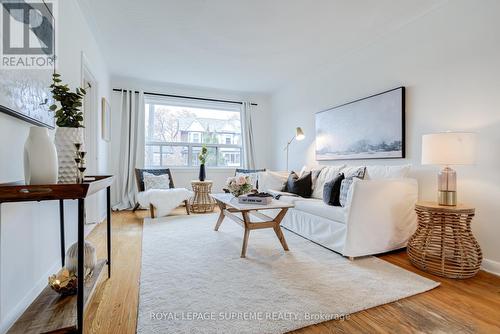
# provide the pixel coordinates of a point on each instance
(65, 143)
(202, 174)
(40, 157)
(89, 257)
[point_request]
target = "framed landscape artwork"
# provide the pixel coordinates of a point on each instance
(369, 128)
(28, 61)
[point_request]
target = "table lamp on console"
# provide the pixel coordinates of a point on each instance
(445, 149)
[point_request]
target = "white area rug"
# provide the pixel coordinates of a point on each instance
(194, 281)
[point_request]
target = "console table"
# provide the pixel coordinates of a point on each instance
(51, 312)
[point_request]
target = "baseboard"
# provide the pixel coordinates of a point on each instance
(491, 266)
(23, 304)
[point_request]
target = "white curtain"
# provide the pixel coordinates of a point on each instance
(248, 139)
(131, 147)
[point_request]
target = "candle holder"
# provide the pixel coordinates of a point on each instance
(80, 163)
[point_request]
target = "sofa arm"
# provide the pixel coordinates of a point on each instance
(381, 215)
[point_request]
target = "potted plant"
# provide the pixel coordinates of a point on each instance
(69, 121)
(202, 157)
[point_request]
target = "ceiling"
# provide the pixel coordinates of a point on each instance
(242, 45)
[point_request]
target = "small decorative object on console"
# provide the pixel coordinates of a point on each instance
(90, 259)
(80, 163)
(239, 185)
(69, 120)
(64, 282)
(40, 157)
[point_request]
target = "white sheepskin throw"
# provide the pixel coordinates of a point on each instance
(164, 200)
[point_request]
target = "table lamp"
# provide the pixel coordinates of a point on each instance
(448, 148)
(299, 135)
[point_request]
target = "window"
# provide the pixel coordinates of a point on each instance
(176, 131)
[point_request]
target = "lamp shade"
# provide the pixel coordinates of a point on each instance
(448, 148)
(299, 134)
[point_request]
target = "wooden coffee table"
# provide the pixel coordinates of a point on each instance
(229, 205)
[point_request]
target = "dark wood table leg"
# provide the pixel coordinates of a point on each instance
(222, 207)
(61, 231)
(108, 227)
(80, 272)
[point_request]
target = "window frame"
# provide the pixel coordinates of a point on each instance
(179, 102)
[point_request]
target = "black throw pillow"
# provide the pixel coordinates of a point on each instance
(331, 190)
(299, 186)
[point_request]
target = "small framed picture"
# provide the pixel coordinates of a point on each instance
(106, 120)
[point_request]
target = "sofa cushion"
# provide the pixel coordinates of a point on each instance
(315, 170)
(318, 208)
(331, 190)
(272, 180)
(355, 172)
(387, 172)
(299, 185)
(326, 174)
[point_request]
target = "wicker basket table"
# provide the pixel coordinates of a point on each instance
(443, 243)
(201, 202)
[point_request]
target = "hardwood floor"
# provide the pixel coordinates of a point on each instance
(457, 306)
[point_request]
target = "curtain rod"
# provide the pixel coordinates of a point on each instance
(186, 97)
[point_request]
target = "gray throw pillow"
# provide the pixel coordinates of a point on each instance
(347, 183)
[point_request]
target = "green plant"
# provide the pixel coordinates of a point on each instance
(69, 114)
(202, 157)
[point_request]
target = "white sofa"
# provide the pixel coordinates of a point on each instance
(379, 216)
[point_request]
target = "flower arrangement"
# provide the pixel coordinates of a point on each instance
(239, 185)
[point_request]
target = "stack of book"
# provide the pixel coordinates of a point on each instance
(246, 199)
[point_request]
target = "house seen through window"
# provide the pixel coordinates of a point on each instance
(176, 133)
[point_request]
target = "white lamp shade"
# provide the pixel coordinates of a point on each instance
(448, 148)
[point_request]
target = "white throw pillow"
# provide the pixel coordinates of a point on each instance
(387, 172)
(152, 181)
(270, 180)
(326, 174)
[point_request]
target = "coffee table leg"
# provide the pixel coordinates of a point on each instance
(222, 207)
(281, 237)
(277, 228)
(245, 243)
(246, 220)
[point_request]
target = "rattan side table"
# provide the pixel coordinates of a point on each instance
(443, 243)
(201, 202)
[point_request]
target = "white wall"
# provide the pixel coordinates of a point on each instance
(183, 176)
(449, 60)
(29, 232)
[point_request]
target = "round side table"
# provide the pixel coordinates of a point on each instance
(443, 243)
(201, 202)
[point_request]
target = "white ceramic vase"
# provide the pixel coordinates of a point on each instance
(90, 258)
(65, 143)
(40, 157)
